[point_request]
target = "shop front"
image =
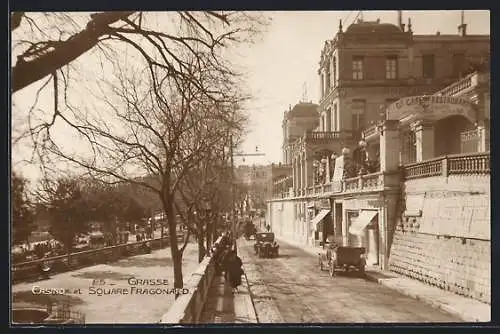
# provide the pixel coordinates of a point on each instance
(364, 226)
(320, 223)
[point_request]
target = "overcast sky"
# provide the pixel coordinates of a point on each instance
(283, 66)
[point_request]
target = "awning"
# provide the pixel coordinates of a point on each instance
(319, 217)
(365, 217)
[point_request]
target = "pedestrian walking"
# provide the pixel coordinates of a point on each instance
(233, 268)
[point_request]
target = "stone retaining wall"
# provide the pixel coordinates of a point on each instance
(58, 264)
(443, 235)
(187, 308)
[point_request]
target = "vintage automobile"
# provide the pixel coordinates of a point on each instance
(334, 257)
(250, 230)
(265, 245)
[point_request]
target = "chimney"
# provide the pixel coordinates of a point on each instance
(462, 28)
(400, 19)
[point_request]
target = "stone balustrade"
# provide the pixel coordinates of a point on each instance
(458, 164)
(330, 135)
(371, 132)
(464, 85)
(67, 262)
(187, 308)
(463, 164)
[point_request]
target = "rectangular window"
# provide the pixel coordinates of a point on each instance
(357, 68)
(428, 66)
(391, 68)
(358, 114)
(458, 64)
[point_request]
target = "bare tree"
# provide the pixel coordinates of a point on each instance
(199, 196)
(43, 55)
(164, 132)
(153, 114)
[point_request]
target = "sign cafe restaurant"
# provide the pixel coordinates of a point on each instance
(416, 129)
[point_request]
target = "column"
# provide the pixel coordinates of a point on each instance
(302, 180)
(424, 134)
(483, 144)
(322, 83)
(294, 174)
(308, 170)
(299, 175)
(389, 146)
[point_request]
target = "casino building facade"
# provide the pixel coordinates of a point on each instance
(395, 157)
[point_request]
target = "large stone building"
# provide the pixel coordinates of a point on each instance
(414, 112)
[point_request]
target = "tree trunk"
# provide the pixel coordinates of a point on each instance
(201, 247)
(174, 249)
(208, 237)
(178, 278)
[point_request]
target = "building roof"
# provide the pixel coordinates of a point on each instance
(304, 109)
(372, 27)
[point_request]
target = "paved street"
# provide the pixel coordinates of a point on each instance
(292, 289)
(115, 308)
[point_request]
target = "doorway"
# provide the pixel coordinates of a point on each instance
(338, 221)
(372, 242)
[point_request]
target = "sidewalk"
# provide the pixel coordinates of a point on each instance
(223, 306)
(466, 308)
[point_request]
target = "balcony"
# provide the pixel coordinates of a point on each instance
(465, 85)
(371, 133)
(328, 136)
(465, 164)
(365, 183)
(457, 164)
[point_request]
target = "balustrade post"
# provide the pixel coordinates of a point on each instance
(444, 170)
(483, 138)
(360, 182)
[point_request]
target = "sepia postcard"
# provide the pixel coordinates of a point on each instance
(273, 167)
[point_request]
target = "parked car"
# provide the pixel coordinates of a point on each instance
(250, 230)
(265, 245)
(334, 257)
